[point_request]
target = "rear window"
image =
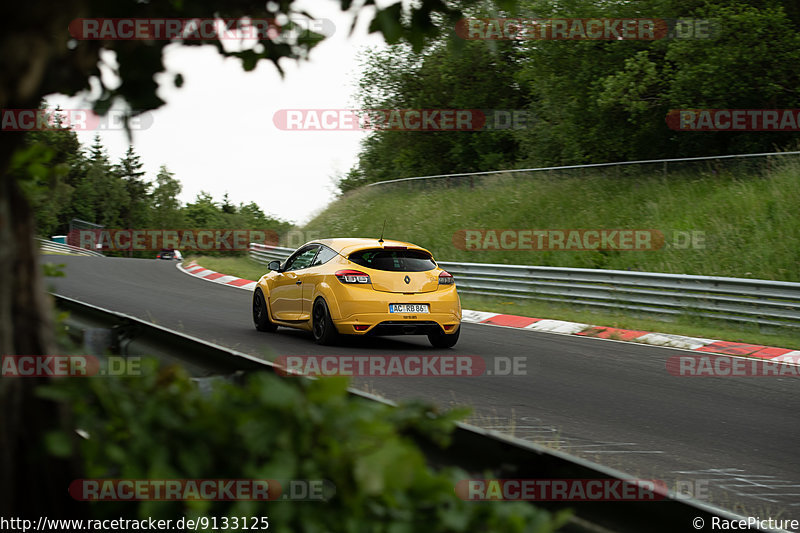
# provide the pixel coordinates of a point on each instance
(393, 260)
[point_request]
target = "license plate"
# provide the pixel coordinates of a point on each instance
(408, 308)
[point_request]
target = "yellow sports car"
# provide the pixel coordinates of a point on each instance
(359, 287)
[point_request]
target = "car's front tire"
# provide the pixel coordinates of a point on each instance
(322, 327)
(440, 339)
(261, 313)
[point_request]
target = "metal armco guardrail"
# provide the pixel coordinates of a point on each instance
(663, 162)
(264, 254)
(473, 449)
(767, 303)
(51, 246)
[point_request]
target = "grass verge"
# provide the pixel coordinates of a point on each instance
(748, 225)
(683, 325)
(242, 267)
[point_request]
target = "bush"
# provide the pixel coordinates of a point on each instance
(162, 426)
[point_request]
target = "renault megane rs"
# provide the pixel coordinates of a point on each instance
(338, 287)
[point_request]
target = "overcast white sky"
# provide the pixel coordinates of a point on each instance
(216, 132)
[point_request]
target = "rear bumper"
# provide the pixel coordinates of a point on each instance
(362, 311)
(409, 327)
(391, 324)
(444, 317)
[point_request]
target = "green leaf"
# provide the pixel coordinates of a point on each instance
(388, 22)
(58, 444)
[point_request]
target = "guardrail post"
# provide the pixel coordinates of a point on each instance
(98, 341)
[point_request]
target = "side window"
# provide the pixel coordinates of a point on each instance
(325, 254)
(302, 260)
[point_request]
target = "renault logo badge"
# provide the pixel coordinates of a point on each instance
(407, 280)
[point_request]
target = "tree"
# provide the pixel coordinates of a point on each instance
(226, 206)
(588, 101)
(254, 214)
(164, 200)
(477, 77)
(50, 188)
(600, 101)
(204, 212)
(134, 212)
(760, 41)
(101, 194)
(39, 57)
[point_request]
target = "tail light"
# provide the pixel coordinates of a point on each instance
(352, 277)
(446, 278)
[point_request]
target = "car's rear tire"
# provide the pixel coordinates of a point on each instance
(261, 313)
(440, 339)
(322, 327)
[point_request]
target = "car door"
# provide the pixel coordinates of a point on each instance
(287, 291)
(312, 277)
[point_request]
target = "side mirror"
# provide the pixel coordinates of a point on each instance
(274, 265)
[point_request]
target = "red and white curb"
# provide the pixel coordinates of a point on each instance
(697, 344)
(209, 275)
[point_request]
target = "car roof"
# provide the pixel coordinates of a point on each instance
(346, 246)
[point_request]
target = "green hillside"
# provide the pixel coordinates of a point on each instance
(750, 226)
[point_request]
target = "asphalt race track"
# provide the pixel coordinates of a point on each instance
(733, 441)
